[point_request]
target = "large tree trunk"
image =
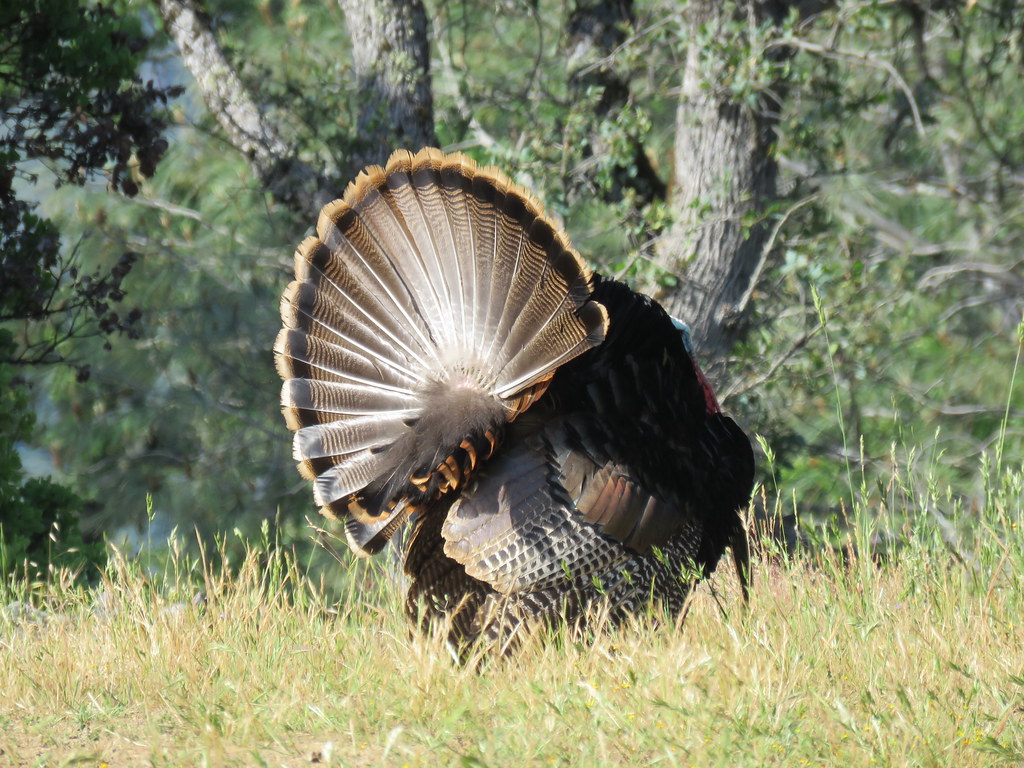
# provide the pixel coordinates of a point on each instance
(391, 55)
(724, 177)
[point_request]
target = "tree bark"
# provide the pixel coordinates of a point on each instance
(724, 178)
(391, 59)
(391, 56)
(275, 161)
(723, 181)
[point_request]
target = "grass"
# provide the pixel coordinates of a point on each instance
(895, 639)
(839, 660)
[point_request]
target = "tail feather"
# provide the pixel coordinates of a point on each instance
(308, 356)
(350, 474)
(482, 226)
(415, 198)
(348, 294)
(534, 355)
(462, 238)
(344, 398)
(369, 538)
(348, 435)
(372, 237)
(508, 250)
(434, 305)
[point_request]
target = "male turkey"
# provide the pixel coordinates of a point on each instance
(452, 364)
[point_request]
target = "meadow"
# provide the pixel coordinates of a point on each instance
(869, 646)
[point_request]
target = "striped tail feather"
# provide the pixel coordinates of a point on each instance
(432, 307)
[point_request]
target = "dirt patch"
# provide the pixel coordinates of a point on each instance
(62, 746)
(67, 747)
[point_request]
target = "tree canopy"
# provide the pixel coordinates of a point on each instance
(828, 193)
(73, 108)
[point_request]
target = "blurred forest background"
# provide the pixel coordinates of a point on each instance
(830, 193)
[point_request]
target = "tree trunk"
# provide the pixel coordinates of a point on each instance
(391, 55)
(391, 58)
(724, 178)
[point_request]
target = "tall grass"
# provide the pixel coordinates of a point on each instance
(841, 659)
(894, 638)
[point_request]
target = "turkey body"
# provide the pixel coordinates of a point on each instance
(452, 366)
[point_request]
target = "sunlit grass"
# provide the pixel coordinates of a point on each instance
(839, 660)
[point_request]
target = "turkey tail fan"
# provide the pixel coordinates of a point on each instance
(432, 307)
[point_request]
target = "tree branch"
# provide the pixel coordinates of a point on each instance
(275, 161)
(595, 30)
(868, 59)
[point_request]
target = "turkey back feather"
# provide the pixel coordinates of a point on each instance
(432, 307)
(623, 476)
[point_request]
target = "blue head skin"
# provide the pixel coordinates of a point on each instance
(710, 400)
(684, 331)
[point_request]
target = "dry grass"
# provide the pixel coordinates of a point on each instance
(838, 661)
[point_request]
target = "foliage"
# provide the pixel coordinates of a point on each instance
(74, 108)
(901, 173)
(74, 105)
(39, 522)
(902, 219)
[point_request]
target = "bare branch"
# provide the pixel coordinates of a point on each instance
(1005, 274)
(865, 57)
(480, 136)
(275, 161)
(744, 300)
(738, 388)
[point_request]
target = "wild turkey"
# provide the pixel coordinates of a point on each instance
(450, 362)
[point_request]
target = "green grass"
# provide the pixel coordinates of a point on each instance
(839, 660)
